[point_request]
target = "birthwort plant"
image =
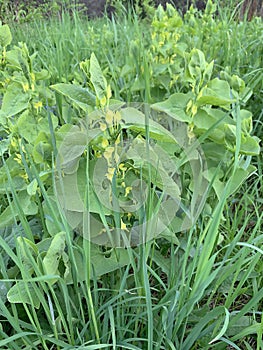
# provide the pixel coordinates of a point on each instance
(118, 175)
(84, 177)
(208, 114)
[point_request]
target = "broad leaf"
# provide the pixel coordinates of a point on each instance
(77, 94)
(175, 106)
(135, 120)
(217, 93)
(249, 144)
(15, 100)
(23, 292)
(51, 213)
(27, 250)
(71, 146)
(103, 263)
(5, 35)
(239, 177)
(71, 190)
(54, 254)
(28, 206)
(42, 150)
(154, 161)
(97, 78)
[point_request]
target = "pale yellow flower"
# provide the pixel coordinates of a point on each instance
(127, 190)
(104, 143)
(38, 105)
(108, 153)
(25, 87)
(123, 226)
(110, 173)
(103, 126)
(109, 117)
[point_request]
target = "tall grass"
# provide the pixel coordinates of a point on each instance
(121, 43)
(204, 293)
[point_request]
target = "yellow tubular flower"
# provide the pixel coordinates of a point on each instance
(110, 173)
(116, 157)
(18, 158)
(127, 190)
(109, 117)
(38, 105)
(104, 143)
(123, 226)
(118, 140)
(122, 167)
(103, 126)
(25, 87)
(194, 110)
(117, 117)
(108, 153)
(103, 101)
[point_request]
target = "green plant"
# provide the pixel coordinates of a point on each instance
(22, 112)
(129, 176)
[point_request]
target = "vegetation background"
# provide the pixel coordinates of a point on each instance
(201, 288)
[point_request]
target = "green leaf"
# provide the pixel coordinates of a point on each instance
(5, 35)
(162, 261)
(15, 100)
(135, 120)
(214, 174)
(197, 58)
(32, 187)
(208, 72)
(101, 262)
(77, 94)
(71, 189)
(205, 118)
(27, 126)
(155, 161)
(54, 254)
(202, 325)
(42, 75)
(42, 148)
(28, 206)
(249, 144)
(224, 328)
(97, 78)
(138, 84)
(23, 292)
(12, 59)
(239, 177)
(175, 106)
(213, 152)
(27, 250)
(242, 325)
(217, 93)
(246, 121)
(72, 144)
(4, 146)
(12, 339)
(52, 213)
(16, 172)
(197, 64)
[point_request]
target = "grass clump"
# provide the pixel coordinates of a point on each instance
(131, 183)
